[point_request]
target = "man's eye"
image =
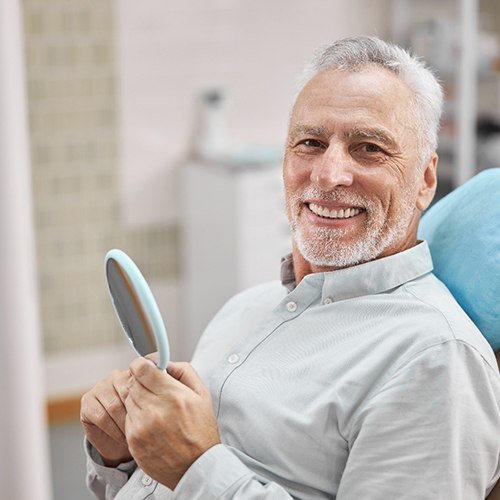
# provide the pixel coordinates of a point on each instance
(370, 148)
(310, 143)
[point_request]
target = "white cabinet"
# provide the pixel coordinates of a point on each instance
(234, 233)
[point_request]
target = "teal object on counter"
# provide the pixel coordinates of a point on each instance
(463, 232)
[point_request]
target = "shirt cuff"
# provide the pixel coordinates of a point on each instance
(225, 470)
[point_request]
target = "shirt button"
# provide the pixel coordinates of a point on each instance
(146, 480)
(234, 358)
(291, 306)
(328, 300)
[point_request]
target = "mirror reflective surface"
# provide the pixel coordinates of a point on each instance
(136, 307)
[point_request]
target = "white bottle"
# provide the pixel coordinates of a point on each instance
(210, 141)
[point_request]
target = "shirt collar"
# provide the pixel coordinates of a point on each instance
(366, 279)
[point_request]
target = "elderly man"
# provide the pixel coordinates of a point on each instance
(361, 377)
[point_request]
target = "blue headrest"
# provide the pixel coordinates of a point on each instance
(463, 232)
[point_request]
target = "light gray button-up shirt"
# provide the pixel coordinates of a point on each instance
(367, 382)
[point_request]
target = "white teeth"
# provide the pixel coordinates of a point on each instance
(334, 214)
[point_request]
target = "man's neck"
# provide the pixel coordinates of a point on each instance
(302, 267)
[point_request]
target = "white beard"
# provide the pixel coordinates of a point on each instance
(323, 246)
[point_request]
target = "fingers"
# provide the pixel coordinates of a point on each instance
(155, 380)
(110, 414)
(147, 383)
(186, 374)
(103, 407)
(121, 384)
(96, 415)
(146, 373)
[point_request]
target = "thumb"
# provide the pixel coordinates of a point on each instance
(186, 374)
(152, 357)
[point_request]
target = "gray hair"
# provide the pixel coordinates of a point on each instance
(356, 53)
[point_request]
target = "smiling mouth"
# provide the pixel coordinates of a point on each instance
(342, 213)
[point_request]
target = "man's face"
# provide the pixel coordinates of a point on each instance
(354, 180)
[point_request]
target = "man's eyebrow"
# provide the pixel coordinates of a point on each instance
(377, 134)
(300, 128)
(373, 133)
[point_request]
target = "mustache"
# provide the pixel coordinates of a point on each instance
(339, 195)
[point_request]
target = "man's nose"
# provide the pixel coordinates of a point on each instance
(332, 169)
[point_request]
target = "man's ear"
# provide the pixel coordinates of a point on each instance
(428, 183)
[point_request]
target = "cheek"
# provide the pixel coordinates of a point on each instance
(294, 186)
(296, 174)
(291, 178)
(394, 187)
(402, 203)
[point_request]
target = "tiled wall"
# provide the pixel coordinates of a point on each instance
(72, 102)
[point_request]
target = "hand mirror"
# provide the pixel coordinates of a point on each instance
(136, 307)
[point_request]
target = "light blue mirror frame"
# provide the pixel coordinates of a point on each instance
(144, 299)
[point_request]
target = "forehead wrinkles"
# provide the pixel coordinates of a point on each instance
(380, 118)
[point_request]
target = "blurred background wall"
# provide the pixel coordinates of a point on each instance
(113, 92)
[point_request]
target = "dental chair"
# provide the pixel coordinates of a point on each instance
(463, 232)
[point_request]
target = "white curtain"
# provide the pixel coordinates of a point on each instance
(24, 458)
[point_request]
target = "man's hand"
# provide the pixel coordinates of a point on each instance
(170, 421)
(102, 415)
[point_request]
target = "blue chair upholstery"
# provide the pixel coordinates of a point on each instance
(463, 232)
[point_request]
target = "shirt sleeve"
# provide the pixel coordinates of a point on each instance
(105, 482)
(220, 474)
(430, 432)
